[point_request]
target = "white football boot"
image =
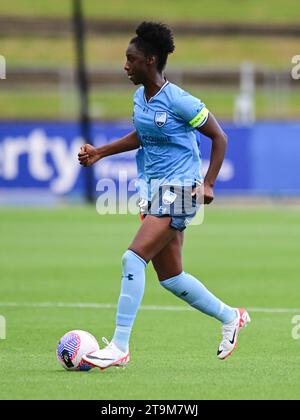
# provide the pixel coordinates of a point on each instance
(111, 355)
(230, 332)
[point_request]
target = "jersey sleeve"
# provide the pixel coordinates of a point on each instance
(191, 110)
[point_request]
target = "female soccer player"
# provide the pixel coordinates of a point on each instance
(165, 119)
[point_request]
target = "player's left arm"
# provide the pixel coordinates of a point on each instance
(212, 129)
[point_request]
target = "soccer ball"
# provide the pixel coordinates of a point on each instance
(72, 346)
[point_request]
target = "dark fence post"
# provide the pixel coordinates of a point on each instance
(83, 89)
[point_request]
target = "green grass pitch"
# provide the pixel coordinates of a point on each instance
(72, 255)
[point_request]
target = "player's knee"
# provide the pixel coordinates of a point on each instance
(165, 270)
(126, 259)
(130, 260)
(167, 274)
(161, 274)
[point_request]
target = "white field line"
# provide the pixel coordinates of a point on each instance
(143, 307)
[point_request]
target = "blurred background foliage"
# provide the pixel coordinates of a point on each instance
(273, 98)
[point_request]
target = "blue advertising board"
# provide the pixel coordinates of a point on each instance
(275, 158)
(42, 156)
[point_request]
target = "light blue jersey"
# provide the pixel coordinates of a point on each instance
(166, 127)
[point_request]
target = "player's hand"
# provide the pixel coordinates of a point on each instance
(198, 192)
(204, 193)
(88, 155)
(208, 194)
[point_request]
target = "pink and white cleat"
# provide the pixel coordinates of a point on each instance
(111, 355)
(230, 332)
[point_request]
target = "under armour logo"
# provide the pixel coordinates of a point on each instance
(185, 293)
(129, 277)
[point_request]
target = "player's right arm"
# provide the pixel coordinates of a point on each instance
(89, 154)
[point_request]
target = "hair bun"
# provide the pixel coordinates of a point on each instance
(158, 35)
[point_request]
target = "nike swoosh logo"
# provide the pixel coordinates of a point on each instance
(96, 358)
(232, 341)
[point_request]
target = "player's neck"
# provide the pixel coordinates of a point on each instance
(153, 85)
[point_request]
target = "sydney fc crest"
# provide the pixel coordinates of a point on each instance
(160, 118)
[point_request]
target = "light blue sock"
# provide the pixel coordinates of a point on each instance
(132, 291)
(192, 291)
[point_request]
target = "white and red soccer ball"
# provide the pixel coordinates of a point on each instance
(72, 346)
